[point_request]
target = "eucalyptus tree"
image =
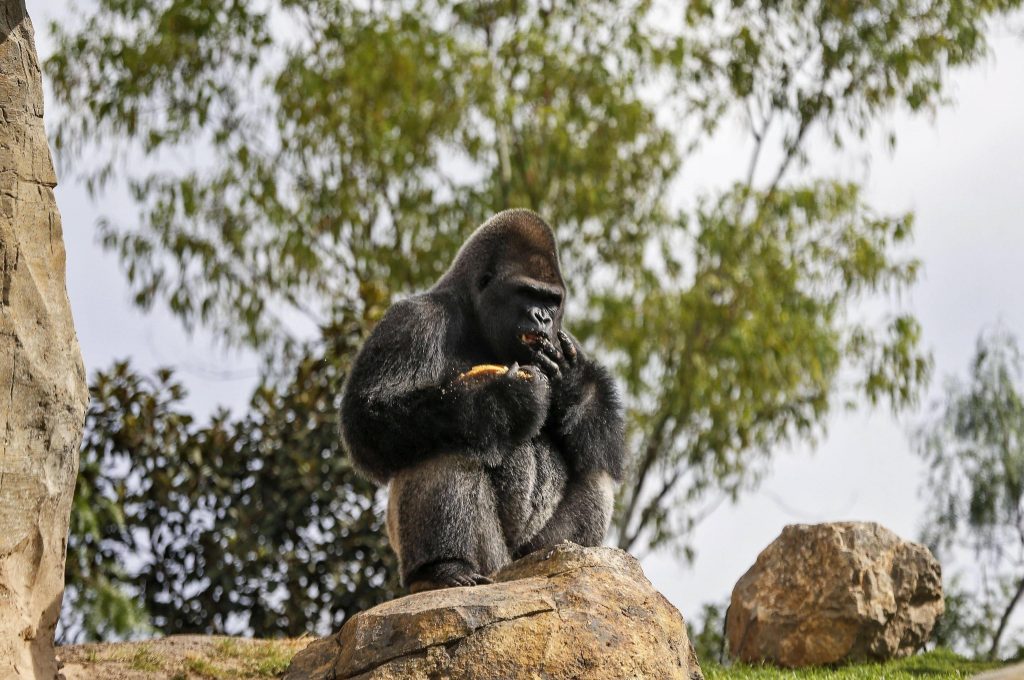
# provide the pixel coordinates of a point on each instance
(974, 446)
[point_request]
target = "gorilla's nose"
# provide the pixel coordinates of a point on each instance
(542, 318)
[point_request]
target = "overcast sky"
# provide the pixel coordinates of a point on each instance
(961, 173)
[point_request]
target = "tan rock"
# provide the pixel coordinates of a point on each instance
(831, 593)
(42, 382)
(567, 612)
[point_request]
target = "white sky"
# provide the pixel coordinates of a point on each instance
(963, 175)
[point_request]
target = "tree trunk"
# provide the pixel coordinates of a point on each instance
(43, 393)
(1005, 620)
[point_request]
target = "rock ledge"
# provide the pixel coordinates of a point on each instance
(564, 612)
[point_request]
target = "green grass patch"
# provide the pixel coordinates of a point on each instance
(188, 658)
(260, 658)
(272, 660)
(245, 658)
(144, 659)
(938, 665)
(204, 668)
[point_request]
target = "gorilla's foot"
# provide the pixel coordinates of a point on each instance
(450, 574)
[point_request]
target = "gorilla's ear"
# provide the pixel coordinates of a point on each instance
(484, 280)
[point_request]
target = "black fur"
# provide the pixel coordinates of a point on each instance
(485, 468)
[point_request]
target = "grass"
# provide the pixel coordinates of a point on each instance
(144, 659)
(189, 658)
(218, 658)
(938, 665)
(231, 658)
(203, 668)
(261, 658)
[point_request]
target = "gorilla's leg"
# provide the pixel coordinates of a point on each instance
(582, 516)
(443, 523)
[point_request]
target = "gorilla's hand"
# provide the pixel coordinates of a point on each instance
(561, 364)
(585, 415)
(512, 405)
(526, 389)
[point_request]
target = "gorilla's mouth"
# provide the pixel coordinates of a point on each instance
(530, 339)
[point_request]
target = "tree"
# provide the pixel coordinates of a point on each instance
(348, 149)
(975, 449)
(256, 524)
(967, 623)
(708, 633)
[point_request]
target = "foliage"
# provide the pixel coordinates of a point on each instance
(747, 355)
(975, 449)
(709, 641)
(967, 623)
(375, 140)
(256, 524)
(940, 664)
(290, 161)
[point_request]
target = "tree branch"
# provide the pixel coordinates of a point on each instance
(1005, 620)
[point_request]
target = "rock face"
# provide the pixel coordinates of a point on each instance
(42, 382)
(830, 593)
(565, 612)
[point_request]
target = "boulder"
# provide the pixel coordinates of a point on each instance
(43, 394)
(563, 612)
(832, 593)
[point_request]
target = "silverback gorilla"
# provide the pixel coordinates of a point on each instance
(496, 434)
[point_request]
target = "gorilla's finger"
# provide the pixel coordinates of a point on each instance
(517, 372)
(481, 580)
(546, 364)
(456, 579)
(547, 347)
(568, 347)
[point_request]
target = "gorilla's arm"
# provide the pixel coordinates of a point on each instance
(403, 402)
(586, 415)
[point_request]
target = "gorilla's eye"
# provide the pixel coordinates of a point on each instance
(484, 280)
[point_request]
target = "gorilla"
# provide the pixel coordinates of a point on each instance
(496, 434)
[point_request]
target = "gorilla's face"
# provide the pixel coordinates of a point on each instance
(516, 310)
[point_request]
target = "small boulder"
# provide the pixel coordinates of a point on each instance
(563, 612)
(833, 593)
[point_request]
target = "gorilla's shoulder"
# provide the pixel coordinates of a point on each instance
(422, 325)
(425, 312)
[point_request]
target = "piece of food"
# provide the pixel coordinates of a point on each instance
(490, 370)
(481, 370)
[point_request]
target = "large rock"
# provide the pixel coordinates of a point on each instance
(42, 383)
(568, 612)
(831, 593)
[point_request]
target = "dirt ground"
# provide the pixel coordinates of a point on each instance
(180, 657)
